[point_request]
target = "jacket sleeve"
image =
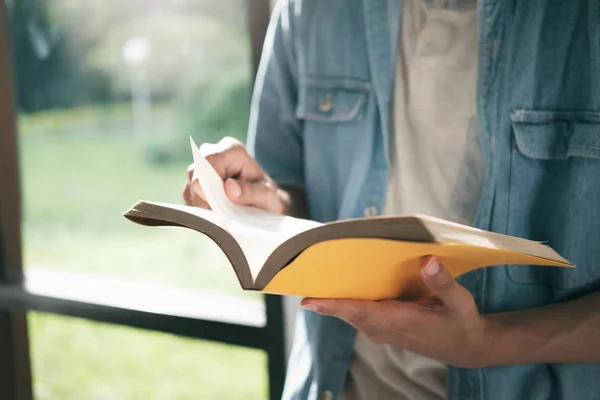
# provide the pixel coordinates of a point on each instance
(274, 133)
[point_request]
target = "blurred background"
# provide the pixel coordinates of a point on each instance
(108, 92)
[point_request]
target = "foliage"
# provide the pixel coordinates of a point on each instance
(214, 106)
(48, 74)
(182, 47)
(219, 104)
(68, 53)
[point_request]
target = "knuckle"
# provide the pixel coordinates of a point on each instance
(238, 151)
(214, 158)
(229, 143)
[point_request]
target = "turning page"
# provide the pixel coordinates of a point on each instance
(257, 231)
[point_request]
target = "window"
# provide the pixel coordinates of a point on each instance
(107, 94)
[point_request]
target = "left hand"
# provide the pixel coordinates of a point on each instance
(446, 327)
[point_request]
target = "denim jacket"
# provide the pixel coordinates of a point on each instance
(321, 121)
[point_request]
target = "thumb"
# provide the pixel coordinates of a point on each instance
(260, 194)
(437, 278)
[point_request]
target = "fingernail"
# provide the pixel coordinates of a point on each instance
(432, 267)
(235, 190)
(311, 307)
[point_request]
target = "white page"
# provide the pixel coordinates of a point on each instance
(446, 231)
(257, 231)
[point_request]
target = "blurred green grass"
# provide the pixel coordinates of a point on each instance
(74, 359)
(77, 180)
(75, 189)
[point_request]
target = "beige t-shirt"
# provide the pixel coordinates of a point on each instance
(435, 169)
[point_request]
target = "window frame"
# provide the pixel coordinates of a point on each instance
(16, 300)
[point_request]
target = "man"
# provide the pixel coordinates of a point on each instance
(365, 107)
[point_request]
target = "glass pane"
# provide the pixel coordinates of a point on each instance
(108, 93)
(77, 359)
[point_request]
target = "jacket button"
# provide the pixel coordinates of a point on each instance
(326, 395)
(370, 211)
(325, 104)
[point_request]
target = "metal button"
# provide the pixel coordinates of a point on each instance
(370, 211)
(326, 395)
(325, 104)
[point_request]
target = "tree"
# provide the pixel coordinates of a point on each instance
(47, 74)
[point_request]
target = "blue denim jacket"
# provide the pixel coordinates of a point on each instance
(321, 121)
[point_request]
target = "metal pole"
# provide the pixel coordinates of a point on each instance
(15, 373)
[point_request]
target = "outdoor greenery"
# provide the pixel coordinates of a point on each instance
(79, 360)
(75, 188)
(82, 165)
(76, 185)
(71, 52)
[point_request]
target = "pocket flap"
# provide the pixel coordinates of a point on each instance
(549, 135)
(331, 99)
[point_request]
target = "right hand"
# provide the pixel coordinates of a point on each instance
(244, 181)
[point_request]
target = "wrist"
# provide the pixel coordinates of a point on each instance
(494, 351)
(512, 340)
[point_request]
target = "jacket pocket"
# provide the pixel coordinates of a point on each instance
(337, 117)
(331, 99)
(555, 193)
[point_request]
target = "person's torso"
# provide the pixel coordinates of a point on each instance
(539, 123)
(434, 165)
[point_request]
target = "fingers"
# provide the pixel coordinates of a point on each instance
(370, 317)
(190, 172)
(192, 192)
(231, 160)
(245, 182)
(437, 278)
(261, 194)
(192, 198)
(186, 194)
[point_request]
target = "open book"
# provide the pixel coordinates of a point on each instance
(367, 258)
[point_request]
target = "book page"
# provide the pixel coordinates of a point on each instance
(257, 231)
(446, 231)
